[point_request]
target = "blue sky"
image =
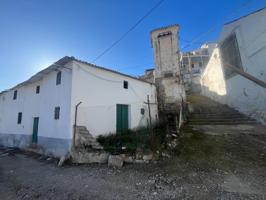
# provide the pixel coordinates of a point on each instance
(36, 33)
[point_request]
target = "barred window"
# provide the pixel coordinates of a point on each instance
(19, 117)
(15, 95)
(58, 78)
(57, 112)
(37, 89)
(125, 84)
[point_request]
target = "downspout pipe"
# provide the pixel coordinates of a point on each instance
(75, 124)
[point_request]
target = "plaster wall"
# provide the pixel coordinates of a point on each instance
(170, 87)
(100, 91)
(40, 105)
(237, 91)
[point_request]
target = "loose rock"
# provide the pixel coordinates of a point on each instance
(115, 161)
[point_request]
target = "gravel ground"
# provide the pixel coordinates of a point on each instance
(231, 166)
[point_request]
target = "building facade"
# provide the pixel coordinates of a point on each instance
(193, 64)
(167, 75)
(42, 110)
(236, 73)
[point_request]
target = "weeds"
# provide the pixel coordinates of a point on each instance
(129, 141)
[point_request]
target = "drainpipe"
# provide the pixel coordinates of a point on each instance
(75, 124)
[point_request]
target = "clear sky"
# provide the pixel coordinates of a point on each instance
(36, 33)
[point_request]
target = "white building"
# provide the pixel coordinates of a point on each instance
(42, 109)
(236, 72)
(193, 64)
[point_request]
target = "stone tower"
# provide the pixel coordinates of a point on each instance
(170, 87)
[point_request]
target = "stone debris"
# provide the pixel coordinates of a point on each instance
(148, 157)
(139, 161)
(115, 161)
(129, 159)
(174, 135)
(166, 155)
(4, 154)
(62, 160)
(82, 157)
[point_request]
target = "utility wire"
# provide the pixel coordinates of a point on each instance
(216, 24)
(128, 31)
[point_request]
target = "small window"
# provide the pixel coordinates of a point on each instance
(15, 94)
(56, 112)
(125, 84)
(58, 78)
(142, 111)
(37, 89)
(19, 117)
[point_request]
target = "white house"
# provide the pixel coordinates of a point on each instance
(193, 64)
(242, 46)
(42, 109)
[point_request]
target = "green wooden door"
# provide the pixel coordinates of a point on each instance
(35, 130)
(121, 118)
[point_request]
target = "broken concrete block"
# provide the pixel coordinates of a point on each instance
(128, 159)
(115, 161)
(139, 161)
(82, 157)
(148, 157)
(62, 160)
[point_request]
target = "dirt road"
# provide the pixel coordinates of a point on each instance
(231, 166)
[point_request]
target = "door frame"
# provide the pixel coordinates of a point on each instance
(35, 128)
(122, 124)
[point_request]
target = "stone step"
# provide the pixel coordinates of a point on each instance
(84, 132)
(81, 128)
(216, 114)
(219, 119)
(222, 123)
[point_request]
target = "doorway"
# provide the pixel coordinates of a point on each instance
(121, 118)
(35, 130)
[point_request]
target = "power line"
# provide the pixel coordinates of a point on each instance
(216, 24)
(129, 30)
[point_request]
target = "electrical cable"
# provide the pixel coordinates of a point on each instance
(128, 31)
(214, 25)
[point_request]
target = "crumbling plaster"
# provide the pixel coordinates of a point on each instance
(170, 88)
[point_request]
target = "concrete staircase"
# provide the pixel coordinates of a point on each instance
(85, 140)
(205, 111)
(87, 149)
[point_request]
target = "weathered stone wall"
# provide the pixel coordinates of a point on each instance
(212, 81)
(170, 88)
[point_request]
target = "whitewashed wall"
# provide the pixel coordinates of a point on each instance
(239, 92)
(100, 91)
(212, 80)
(53, 135)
